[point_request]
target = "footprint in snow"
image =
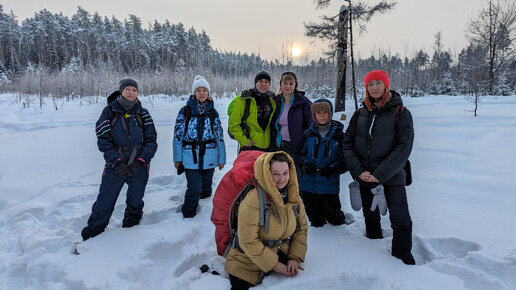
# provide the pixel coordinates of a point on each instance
(159, 216)
(426, 250)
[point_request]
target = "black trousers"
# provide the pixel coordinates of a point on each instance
(399, 216)
(240, 284)
(322, 208)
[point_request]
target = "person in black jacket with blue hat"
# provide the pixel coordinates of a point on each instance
(127, 137)
(377, 144)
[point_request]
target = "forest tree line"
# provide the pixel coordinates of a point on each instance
(53, 55)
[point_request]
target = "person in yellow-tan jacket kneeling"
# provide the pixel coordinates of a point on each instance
(279, 244)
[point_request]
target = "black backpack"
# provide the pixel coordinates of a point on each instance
(202, 144)
(243, 122)
(407, 167)
(188, 115)
(115, 116)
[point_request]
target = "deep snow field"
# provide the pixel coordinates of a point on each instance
(462, 202)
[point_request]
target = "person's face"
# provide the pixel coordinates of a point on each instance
(201, 94)
(287, 87)
(130, 93)
(263, 86)
(280, 174)
(323, 117)
(376, 88)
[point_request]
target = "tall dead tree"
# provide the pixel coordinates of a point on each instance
(331, 29)
(342, 53)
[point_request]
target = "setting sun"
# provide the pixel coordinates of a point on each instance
(296, 51)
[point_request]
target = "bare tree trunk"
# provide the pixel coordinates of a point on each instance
(40, 89)
(477, 99)
(342, 51)
(352, 56)
(491, 49)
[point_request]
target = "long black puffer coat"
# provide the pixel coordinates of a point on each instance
(376, 142)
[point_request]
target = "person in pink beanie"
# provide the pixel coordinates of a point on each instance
(377, 145)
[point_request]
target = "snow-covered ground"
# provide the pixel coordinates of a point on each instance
(462, 202)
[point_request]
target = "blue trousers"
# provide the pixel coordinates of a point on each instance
(108, 194)
(199, 185)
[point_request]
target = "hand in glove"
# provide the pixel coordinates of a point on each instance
(379, 200)
(122, 168)
(308, 168)
(354, 196)
(137, 165)
(327, 171)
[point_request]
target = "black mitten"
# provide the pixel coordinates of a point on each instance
(180, 169)
(137, 165)
(122, 168)
(308, 168)
(328, 171)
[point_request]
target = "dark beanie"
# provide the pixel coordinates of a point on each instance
(126, 83)
(291, 74)
(263, 74)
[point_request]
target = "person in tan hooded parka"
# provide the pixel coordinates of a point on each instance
(276, 174)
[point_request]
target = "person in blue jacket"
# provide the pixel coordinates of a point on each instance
(127, 137)
(321, 166)
(198, 145)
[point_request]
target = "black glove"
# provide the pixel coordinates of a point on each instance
(122, 168)
(308, 168)
(137, 165)
(180, 169)
(327, 171)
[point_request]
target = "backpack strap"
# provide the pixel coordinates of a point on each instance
(138, 117)
(187, 111)
(188, 115)
(117, 116)
(212, 114)
(296, 209)
(134, 148)
(233, 216)
(398, 113)
(245, 116)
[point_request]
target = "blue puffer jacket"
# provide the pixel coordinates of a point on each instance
(126, 132)
(198, 139)
(323, 152)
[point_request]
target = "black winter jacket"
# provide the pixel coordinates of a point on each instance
(376, 142)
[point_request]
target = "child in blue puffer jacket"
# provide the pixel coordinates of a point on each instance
(198, 145)
(320, 152)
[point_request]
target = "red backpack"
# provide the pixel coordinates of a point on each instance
(230, 191)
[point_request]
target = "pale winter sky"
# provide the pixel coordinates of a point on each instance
(267, 25)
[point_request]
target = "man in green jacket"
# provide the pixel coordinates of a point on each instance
(254, 132)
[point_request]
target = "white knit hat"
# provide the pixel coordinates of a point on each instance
(198, 82)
